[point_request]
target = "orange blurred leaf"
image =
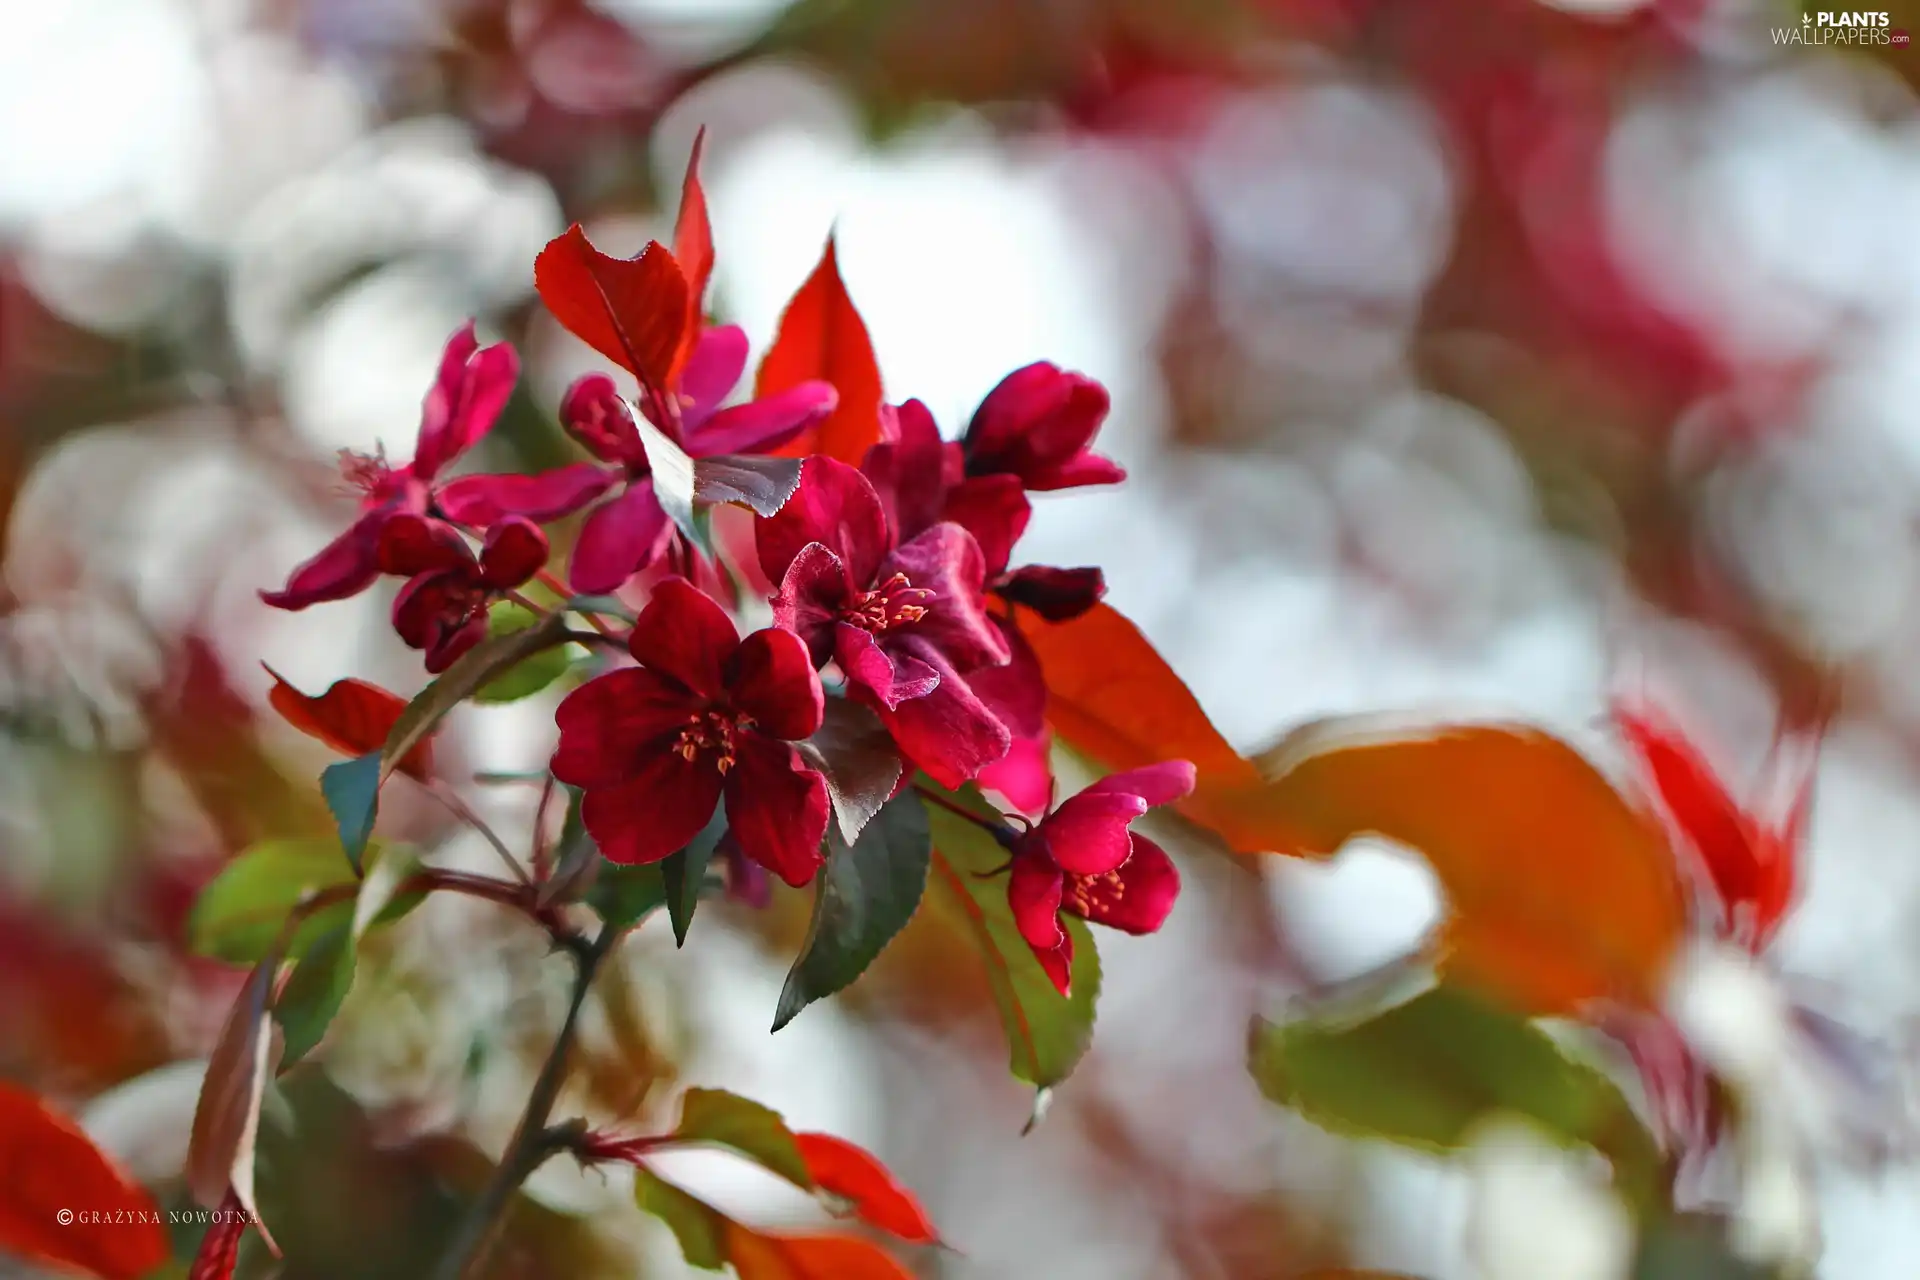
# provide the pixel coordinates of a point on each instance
(853, 1174)
(1561, 889)
(227, 1119)
(633, 311)
(352, 716)
(758, 1256)
(1114, 698)
(53, 1166)
(821, 336)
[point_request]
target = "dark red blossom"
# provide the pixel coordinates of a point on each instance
(629, 532)
(705, 715)
(905, 621)
(1038, 425)
(443, 607)
(467, 395)
(1082, 859)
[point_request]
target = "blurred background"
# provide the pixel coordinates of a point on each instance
(1468, 356)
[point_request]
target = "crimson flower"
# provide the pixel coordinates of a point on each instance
(1037, 425)
(467, 395)
(1082, 860)
(443, 607)
(922, 480)
(905, 621)
(705, 715)
(628, 533)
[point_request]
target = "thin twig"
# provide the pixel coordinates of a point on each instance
(459, 808)
(532, 1141)
(984, 823)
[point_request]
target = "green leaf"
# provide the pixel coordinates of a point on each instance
(624, 896)
(315, 990)
(1047, 1033)
(685, 874)
(531, 674)
(863, 897)
(697, 1225)
(855, 754)
(723, 1119)
(239, 915)
(352, 789)
(1425, 1072)
(1692, 1246)
(459, 682)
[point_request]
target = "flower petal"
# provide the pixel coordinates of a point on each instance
(889, 678)
(454, 640)
(1058, 595)
(909, 471)
(472, 389)
(1139, 897)
(1037, 425)
(834, 506)
(1155, 784)
(776, 807)
(684, 634)
(515, 550)
(595, 413)
(428, 606)
(1087, 835)
(1024, 775)
(949, 732)
(609, 722)
(1033, 891)
(711, 373)
(995, 510)
(763, 424)
(344, 567)
(772, 679)
(947, 561)
(812, 594)
(412, 545)
(661, 806)
(483, 501)
(1016, 692)
(619, 539)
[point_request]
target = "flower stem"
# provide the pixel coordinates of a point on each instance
(984, 823)
(532, 1142)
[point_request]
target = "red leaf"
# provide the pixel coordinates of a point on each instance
(352, 716)
(227, 1119)
(758, 1256)
(822, 337)
(1113, 697)
(633, 311)
(844, 1170)
(220, 1247)
(51, 1165)
(693, 238)
(1751, 865)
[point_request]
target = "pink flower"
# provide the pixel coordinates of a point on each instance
(1037, 425)
(472, 386)
(629, 532)
(1082, 860)
(904, 621)
(443, 607)
(706, 715)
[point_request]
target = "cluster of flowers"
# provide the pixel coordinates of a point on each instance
(897, 573)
